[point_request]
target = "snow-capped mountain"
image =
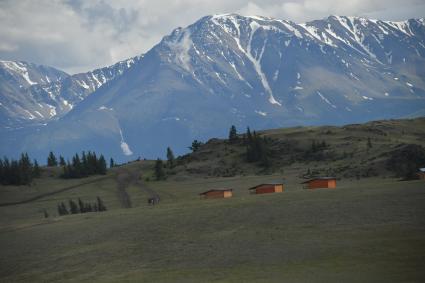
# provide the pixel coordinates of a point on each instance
(32, 93)
(15, 79)
(256, 71)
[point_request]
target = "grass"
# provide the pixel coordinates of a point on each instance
(367, 230)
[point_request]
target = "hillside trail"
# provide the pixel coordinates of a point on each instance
(40, 196)
(125, 178)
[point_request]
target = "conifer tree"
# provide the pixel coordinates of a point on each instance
(64, 209)
(60, 210)
(51, 160)
(257, 149)
(81, 206)
(248, 136)
(233, 135)
(46, 215)
(73, 207)
(25, 169)
(195, 145)
(111, 163)
(36, 169)
(159, 170)
(100, 205)
(101, 167)
(62, 161)
(170, 157)
(84, 163)
(77, 166)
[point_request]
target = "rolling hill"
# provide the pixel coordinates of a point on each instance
(351, 233)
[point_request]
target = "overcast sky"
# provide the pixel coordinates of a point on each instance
(79, 35)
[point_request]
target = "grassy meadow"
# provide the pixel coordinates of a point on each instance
(366, 230)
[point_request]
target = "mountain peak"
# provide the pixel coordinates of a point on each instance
(247, 71)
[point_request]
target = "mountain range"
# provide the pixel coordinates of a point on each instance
(221, 70)
(33, 94)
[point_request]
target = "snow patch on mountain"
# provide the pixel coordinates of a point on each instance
(181, 47)
(18, 67)
(257, 66)
(261, 113)
(326, 100)
(124, 146)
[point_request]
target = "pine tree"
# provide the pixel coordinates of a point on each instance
(233, 135)
(73, 207)
(51, 160)
(67, 171)
(81, 206)
(195, 145)
(61, 161)
(2, 172)
(111, 163)
(100, 205)
(60, 210)
(64, 209)
(170, 157)
(77, 166)
(159, 170)
(92, 163)
(248, 136)
(101, 165)
(257, 149)
(36, 169)
(46, 215)
(25, 169)
(84, 164)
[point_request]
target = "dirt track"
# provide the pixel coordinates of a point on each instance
(40, 196)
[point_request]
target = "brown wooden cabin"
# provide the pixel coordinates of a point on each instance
(217, 193)
(421, 173)
(320, 182)
(267, 188)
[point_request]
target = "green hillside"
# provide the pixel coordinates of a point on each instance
(370, 229)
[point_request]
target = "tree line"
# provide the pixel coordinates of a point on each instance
(18, 172)
(257, 150)
(257, 147)
(81, 207)
(86, 165)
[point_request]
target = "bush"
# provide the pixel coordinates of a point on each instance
(406, 161)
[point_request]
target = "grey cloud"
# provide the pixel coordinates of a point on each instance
(77, 35)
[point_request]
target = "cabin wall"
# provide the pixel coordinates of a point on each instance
(266, 189)
(227, 194)
(316, 184)
(220, 194)
(332, 184)
(214, 195)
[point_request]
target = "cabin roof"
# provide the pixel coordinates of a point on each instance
(270, 183)
(319, 178)
(216, 190)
